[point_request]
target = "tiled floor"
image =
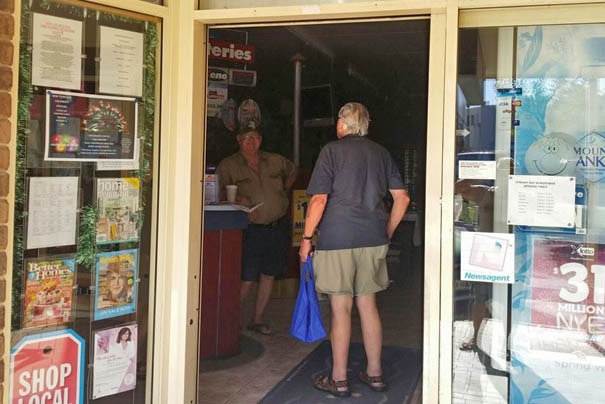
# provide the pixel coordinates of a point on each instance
(247, 378)
(249, 381)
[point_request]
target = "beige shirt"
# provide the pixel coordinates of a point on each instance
(266, 186)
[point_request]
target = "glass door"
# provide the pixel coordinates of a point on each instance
(529, 256)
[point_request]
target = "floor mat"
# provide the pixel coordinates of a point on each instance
(402, 368)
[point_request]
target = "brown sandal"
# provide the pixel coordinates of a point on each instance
(336, 388)
(376, 383)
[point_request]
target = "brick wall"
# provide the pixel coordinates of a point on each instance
(8, 81)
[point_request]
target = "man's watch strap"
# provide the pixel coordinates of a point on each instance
(307, 237)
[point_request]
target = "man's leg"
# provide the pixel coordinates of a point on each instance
(371, 330)
(340, 334)
(265, 284)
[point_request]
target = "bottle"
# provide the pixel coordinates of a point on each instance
(210, 185)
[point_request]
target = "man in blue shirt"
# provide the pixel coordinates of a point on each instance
(350, 180)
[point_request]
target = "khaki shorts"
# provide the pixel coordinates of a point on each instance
(355, 271)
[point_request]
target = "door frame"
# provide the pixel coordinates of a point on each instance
(436, 14)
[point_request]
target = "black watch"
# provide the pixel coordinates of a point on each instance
(307, 237)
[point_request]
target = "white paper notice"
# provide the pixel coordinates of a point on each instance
(487, 257)
(53, 211)
(57, 51)
(540, 200)
(476, 170)
(121, 66)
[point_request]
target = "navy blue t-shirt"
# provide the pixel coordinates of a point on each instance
(356, 173)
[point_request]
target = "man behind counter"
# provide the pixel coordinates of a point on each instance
(261, 177)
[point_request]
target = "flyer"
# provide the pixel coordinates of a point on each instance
(89, 127)
(115, 360)
(48, 291)
(118, 210)
(53, 211)
(116, 283)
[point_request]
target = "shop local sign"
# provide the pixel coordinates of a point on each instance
(47, 369)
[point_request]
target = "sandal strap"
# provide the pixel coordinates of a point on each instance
(375, 379)
(339, 383)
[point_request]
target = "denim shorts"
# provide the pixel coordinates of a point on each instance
(264, 249)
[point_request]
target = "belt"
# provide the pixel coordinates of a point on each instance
(271, 225)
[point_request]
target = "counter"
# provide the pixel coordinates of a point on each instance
(221, 281)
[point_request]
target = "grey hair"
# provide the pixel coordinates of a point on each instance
(356, 118)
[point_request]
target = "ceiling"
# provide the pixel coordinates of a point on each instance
(373, 54)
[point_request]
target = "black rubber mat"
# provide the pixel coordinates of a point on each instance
(402, 368)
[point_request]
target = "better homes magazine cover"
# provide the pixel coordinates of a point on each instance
(48, 291)
(118, 210)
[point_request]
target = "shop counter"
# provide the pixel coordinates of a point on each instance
(221, 281)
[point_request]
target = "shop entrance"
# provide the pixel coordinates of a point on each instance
(257, 72)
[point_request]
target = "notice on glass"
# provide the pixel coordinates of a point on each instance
(56, 52)
(53, 211)
(476, 170)
(121, 65)
(115, 361)
(88, 127)
(487, 257)
(541, 200)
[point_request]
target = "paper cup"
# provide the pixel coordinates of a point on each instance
(231, 192)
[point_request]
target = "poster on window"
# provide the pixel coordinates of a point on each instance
(116, 280)
(48, 290)
(48, 368)
(121, 62)
(117, 209)
(56, 52)
(115, 360)
(52, 212)
(88, 127)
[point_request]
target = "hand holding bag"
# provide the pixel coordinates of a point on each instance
(307, 325)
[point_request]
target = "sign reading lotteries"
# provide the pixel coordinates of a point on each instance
(231, 51)
(48, 368)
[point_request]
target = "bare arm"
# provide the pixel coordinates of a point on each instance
(315, 211)
(401, 200)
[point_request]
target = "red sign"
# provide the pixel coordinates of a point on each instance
(48, 368)
(231, 51)
(568, 286)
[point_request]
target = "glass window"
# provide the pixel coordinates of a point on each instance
(529, 304)
(83, 203)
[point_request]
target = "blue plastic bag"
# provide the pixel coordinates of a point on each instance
(307, 325)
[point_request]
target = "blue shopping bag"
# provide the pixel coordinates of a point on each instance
(307, 325)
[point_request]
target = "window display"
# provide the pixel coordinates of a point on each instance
(83, 204)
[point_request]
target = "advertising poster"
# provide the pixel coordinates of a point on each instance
(557, 317)
(52, 211)
(121, 62)
(118, 210)
(300, 201)
(115, 360)
(88, 127)
(48, 368)
(116, 276)
(218, 92)
(48, 291)
(56, 52)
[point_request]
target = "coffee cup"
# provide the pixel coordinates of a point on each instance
(231, 192)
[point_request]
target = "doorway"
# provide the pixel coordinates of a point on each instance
(382, 64)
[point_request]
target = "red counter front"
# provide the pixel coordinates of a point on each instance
(220, 283)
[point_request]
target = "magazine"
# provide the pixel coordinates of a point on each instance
(118, 210)
(233, 206)
(48, 291)
(116, 283)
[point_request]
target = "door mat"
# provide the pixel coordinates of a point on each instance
(402, 368)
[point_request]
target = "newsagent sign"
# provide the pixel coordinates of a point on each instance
(48, 368)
